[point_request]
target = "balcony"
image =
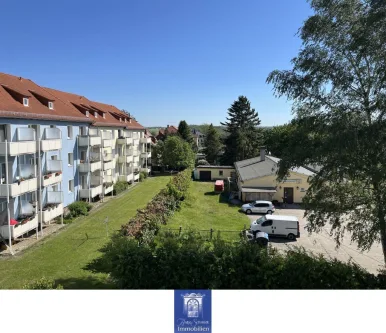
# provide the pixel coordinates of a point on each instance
(135, 142)
(25, 143)
(24, 183)
(108, 185)
(125, 159)
(136, 159)
(90, 141)
(107, 139)
(136, 176)
(145, 140)
(52, 139)
(53, 207)
(53, 173)
(147, 170)
(126, 178)
(90, 193)
(20, 229)
(107, 157)
(108, 165)
(125, 141)
(145, 154)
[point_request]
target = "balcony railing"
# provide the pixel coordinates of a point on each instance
(53, 173)
(107, 138)
(92, 192)
(25, 143)
(90, 141)
(90, 166)
(54, 197)
(145, 140)
(51, 211)
(52, 139)
(108, 165)
(126, 178)
(96, 180)
(145, 154)
(125, 141)
(107, 157)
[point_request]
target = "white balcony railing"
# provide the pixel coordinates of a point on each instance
(52, 178)
(52, 139)
(90, 167)
(125, 141)
(25, 143)
(92, 192)
(25, 226)
(25, 134)
(145, 140)
(108, 165)
(90, 141)
(51, 212)
(126, 178)
(145, 154)
(107, 157)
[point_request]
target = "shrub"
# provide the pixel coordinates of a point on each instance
(202, 162)
(78, 208)
(119, 187)
(189, 261)
(42, 283)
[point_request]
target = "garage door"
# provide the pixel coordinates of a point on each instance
(205, 175)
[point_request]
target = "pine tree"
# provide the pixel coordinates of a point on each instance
(212, 145)
(243, 137)
(184, 132)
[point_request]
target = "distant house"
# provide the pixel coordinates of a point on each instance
(257, 180)
(151, 136)
(163, 132)
(199, 138)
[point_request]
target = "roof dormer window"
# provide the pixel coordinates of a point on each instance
(87, 113)
(25, 101)
(125, 120)
(120, 119)
(96, 114)
(51, 105)
(104, 115)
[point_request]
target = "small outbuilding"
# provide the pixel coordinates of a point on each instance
(214, 172)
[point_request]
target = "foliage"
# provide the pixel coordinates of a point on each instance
(185, 132)
(338, 87)
(119, 187)
(142, 176)
(276, 138)
(204, 129)
(202, 162)
(244, 138)
(189, 261)
(78, 208)
(212, 145)
(148, 221)
(43, 283)
(157, 153)
(178, 154)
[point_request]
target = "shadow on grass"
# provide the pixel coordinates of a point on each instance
(89, 282)
(212, 193)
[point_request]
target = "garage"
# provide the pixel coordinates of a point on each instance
(253, 194)
(205, 175)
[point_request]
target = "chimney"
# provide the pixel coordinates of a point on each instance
(167, 126)
(262, 153)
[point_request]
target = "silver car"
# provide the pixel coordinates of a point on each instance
(259, 207)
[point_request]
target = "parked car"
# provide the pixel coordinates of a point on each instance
(260, 206)
(277, 225)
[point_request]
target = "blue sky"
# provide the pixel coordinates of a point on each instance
(163, 60)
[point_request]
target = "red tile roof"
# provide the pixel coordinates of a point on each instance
(11, 108)
(67, 106)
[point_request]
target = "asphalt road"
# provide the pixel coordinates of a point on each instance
(323, 243)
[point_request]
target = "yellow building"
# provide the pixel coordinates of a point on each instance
(256, 180)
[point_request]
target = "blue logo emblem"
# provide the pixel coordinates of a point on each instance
(192, 311)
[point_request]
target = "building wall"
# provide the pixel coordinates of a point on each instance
(298, 182)
(215, 172)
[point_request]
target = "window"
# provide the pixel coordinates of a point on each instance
(69, 132)
(104, 115)
(221, 173)
(267, 223)
(54, 157)
(96, 114)
(25, 101)
(87, 114)
(83, 130)
(3, 173)
(71, 185)
(261, 205)
(302, 189)
(51, 105)
(70, 159)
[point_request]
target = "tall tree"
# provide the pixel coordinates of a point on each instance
(158, 153)
(338, 85)
(276, 138)
(178, 154)
(243, 137)
(212, 144)
(185, 132)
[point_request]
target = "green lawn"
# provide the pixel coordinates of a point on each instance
(203, 210)
(64, 256)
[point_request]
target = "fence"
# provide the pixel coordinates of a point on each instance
(210, 233)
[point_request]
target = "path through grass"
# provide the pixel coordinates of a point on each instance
(63, 256)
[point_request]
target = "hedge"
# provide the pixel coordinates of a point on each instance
(78, 208)
(189, 261)
(119, 187)
(145, 225)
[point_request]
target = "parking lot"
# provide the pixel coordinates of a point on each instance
(323, 243)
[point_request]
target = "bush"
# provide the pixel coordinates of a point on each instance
(148, 221)
(119, 187)
(43, 283)
(202, 162)
(189, 261)
(78, 208)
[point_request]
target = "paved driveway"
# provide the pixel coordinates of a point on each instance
(323, 243)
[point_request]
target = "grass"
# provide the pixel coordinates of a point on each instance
(203, 209)
(63, 256)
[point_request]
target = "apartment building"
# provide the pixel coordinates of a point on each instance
(58, 147)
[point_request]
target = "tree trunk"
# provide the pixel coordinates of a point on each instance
(382, 227)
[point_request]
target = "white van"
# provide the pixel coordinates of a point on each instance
(277, 225)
